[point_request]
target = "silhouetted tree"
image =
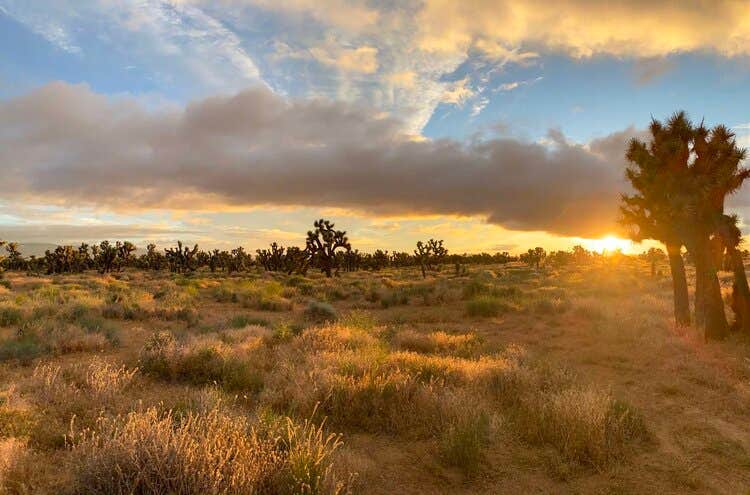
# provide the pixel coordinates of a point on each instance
(653, 256)
(533, 257)
(182, 259)
(656, 171)
(682, 178)
(322, 244)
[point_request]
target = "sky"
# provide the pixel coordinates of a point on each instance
(496, 125)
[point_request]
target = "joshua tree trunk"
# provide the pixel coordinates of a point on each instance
(740, 292)
(708, 302)
(679, 286)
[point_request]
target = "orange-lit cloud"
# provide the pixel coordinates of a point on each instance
(582, 28)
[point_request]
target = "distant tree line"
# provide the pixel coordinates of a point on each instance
(326, 249)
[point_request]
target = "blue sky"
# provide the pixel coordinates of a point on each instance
(463, 72)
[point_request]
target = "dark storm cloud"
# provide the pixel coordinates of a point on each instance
(66, 144)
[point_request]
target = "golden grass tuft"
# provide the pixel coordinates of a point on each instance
(202, 453)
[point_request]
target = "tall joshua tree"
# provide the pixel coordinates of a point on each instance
(715, 174)
(731, 237)
(682, 178)
(322, 244)
(656, 169)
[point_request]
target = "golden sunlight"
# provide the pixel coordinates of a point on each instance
(609, 244)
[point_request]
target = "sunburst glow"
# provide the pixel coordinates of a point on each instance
(609, 244)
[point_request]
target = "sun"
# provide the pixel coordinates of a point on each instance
(609, 244)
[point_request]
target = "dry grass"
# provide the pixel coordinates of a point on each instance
(222, 384)
(202, 453)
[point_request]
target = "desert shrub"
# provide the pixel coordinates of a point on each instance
(10, 315)
(240, 321)
(97, 325)
(394, 298)
(198, 364)
(16, 467)
(156, 354)
(487, 306)
(585, 425)
(474, 288)
(124, 311)
(267, 303)
(395, 403)
(224, 294)
(74, 312)
(263, 296)
(549, 406)
(320, 312)
(24, 348)
(478, 287)
(105, 381)
(358, 319)
(202, 453)
(551, 305)
(285, 331)
(336, 294)
(16, 423)
(372, 295)
(464, 440)
(437, 342)
(336, 337)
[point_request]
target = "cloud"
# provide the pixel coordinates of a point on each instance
(458, 92)
(347, 14)
(404, 79)
(173, 40)
(362, 59)
(65, 144)
(75, 233)
(583, 28)
(646, 71)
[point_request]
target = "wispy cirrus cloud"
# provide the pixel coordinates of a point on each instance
(162, 39)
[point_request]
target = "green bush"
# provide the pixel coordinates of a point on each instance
(23, 348)
(241, 321)
(487, 306)
(320, 312)
(464, 441)
(163, 357)
(10, 315)
(394, 298)
(96, 324)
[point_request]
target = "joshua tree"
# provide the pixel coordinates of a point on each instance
(106, 256)
(15, 259)
(124, 254)
(655, 171)
(380, 260)
(272, 260)
(153, 260)
(2, 258)
(731, 238)
(429, 255)
(182, 259)
(322, 244)
(653, 256)
(682, 178)
(714, 174)
(533, 257)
